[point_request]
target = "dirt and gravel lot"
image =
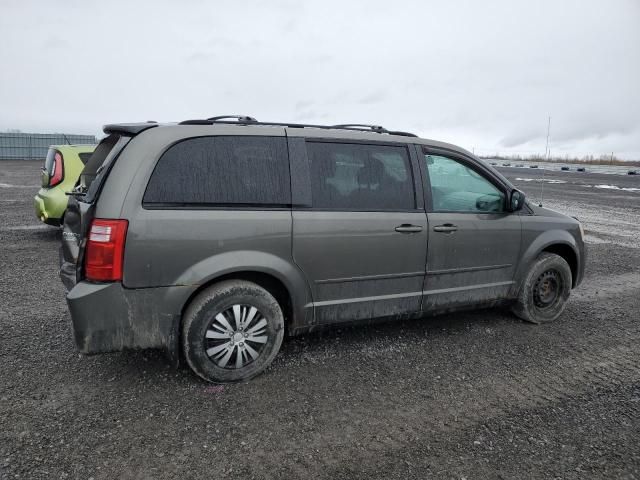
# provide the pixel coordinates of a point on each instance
(475, 395)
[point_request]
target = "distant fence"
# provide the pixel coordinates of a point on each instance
(34, 146)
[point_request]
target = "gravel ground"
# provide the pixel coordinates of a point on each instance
(473, 395)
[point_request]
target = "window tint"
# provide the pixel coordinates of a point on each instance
(360, 177)
(84, 157)
(229, 170)
(95, 162)
(99, 164)
(456, 187)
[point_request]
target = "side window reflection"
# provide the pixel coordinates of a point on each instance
(457, 188)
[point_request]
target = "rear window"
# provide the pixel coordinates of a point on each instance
(48, 162)
(84, 157)
(99, 155)
(97, 167)
(223, 171)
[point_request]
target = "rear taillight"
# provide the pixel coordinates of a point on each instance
(57, 174)
(104, 254)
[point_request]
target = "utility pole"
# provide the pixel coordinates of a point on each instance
(546, 150)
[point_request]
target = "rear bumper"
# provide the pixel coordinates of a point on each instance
(108, 317)
(49, 205)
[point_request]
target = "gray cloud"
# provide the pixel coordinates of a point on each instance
(373, 97)
(303, 104)
(55, 42)
(484, 76)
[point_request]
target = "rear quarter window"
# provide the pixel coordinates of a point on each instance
(222, 171)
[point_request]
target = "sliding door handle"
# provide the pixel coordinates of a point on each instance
(446, 228)
(408, 228)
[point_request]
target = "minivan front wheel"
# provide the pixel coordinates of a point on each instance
(545, 291)
(232, 331)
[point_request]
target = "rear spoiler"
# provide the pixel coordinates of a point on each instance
(128, 128)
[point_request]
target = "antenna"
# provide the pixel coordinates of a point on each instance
(66, 139)
(544, 168)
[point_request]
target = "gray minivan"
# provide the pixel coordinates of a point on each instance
(212, 238)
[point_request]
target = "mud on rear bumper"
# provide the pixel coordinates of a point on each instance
(107, 317)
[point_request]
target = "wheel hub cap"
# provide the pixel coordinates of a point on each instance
(236, 336)
(547, 289)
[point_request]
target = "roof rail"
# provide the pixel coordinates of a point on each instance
(239, 118)
(402, 134)
(360, 126)
(242, 119)
(246, 120)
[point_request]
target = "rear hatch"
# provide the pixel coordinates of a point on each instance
(81, 206)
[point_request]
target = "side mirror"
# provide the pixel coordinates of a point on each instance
(516, 202)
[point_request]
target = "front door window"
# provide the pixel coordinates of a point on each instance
(457, 188)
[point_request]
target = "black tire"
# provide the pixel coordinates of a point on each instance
(545, 290)
(202, 318)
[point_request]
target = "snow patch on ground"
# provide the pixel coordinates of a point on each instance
(585, 185)
(26, 227)
(615, 187)
(8, 185)
(546, 180)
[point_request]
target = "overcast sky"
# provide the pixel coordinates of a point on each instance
(484, 75)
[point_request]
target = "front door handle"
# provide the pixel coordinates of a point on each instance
(446, 228)
(408, 228)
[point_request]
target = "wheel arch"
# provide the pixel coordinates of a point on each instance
(269, 282)
(559, 242)
(569, 255)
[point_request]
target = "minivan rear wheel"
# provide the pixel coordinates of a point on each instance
(232, 331)
(545, 291)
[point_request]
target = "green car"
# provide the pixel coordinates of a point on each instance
(61, 170)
